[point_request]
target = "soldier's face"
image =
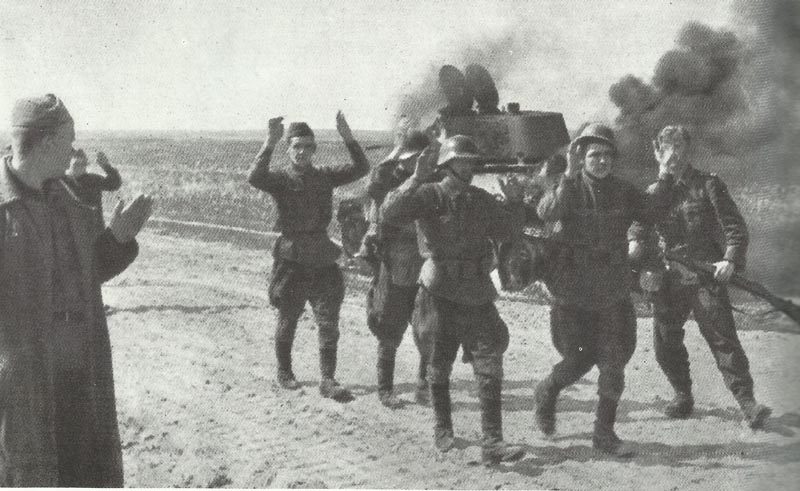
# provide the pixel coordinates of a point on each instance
(301, 149)
(463, 169)
(680, 160)
(600, 159)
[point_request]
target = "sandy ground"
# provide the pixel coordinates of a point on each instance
(192, 336)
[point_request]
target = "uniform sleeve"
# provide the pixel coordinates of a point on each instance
(730, 220)
(261, 177)
(112, 181)
(557, 202)
(649, 207)
(112, 257)
(357, 168)
(408, 202)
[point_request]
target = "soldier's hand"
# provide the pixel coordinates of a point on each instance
(635, 250)
(102, 160)
(664, 155)
(512, 188)
(573, 160)
(274, 131)
(128, 220)
(426, 163)
(724, 271)
(343, 128)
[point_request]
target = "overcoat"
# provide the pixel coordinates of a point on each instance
(28, 452)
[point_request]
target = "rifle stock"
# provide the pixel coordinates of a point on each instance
(755, 288)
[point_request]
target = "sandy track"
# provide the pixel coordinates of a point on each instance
(192, 335)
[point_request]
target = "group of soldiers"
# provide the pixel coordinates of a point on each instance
(432, 244)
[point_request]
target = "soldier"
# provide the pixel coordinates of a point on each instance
(390, 300)
(89, 187)
(592, 320)
(700, 216)
(304, 265)
(58, 419)
(455, 303)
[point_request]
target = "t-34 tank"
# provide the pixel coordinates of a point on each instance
(512, 140)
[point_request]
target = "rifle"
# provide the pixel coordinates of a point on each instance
(755, 288)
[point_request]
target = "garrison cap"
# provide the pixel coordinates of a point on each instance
(299, 129)
(41, 112)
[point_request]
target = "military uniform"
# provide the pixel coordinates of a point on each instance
(700, 216)
(592, 317)
(456, 299)
(390, 300)
(304, 266)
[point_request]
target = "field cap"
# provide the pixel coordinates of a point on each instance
(299, 129)
(458, 147)
(597, 133)
(42, 112)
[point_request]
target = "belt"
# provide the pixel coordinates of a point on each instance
(69, 316)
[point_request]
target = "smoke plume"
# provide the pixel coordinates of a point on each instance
(736, 89)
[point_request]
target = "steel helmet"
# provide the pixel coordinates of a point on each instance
(458, 147)
(598, 133)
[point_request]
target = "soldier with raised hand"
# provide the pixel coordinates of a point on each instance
(592, 317)
(58, 420)
(699, 217)
(455, 301)
(304, 258)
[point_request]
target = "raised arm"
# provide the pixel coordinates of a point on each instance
(112, 181)
(412, 200)
(358, 166)
(260, 176)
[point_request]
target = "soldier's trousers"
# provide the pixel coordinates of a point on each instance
(291, 286)
(389, 310)
(604, 337)
(448, 325)
(712, 310)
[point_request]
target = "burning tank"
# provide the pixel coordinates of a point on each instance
(512, 139)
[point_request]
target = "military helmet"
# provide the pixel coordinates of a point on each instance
(596, 133)
(415, 142)
(458, 147)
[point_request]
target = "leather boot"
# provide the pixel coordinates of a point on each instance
(756, 414)
(443, 429)
(604, 438)
(283, 354)
(681, 405)
(386, 360)
(545, 397)
(495, 450)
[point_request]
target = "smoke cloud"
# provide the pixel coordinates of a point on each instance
(736, 89)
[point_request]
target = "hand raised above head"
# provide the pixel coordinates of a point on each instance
(573, 159)
(343, 127)
(102, 160)
(128, 220)
(426, 163)
(664, 154)
(275, 130)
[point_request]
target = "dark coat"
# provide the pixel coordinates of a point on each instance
(28, 454)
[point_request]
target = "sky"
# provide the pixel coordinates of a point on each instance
(228, 65)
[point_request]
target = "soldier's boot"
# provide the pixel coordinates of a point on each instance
(604, 438)
(681, 406)
(386, 360)
(443, 437)
(545, 397)
(756, 414)
(494, 450)
(422, 392)
(328, 386)
(283, 353)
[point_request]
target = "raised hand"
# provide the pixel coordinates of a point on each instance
(723, 271)
(664, 155)
(102, 160)
(274, 131)
(343, 128)
(127, 221)
(426, 163)
(573, 160)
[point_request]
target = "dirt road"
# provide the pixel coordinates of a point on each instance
(192, 337)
